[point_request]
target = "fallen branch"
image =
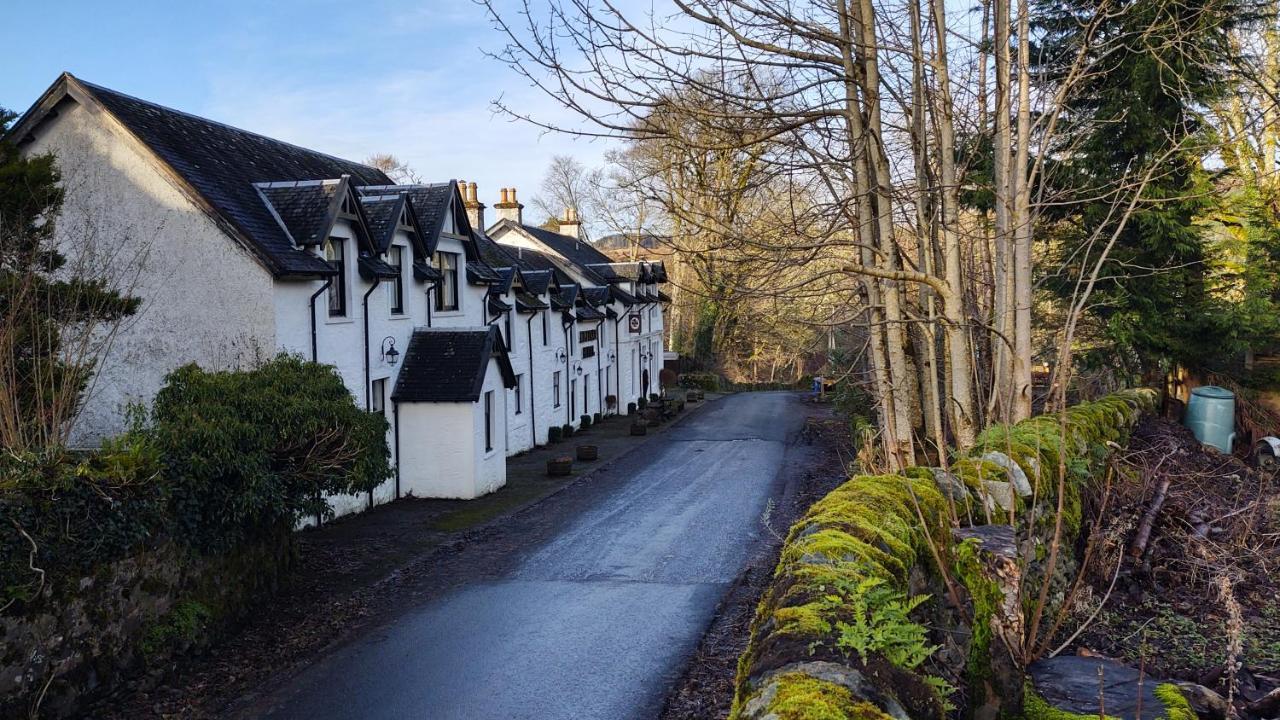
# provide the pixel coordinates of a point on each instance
(1143, 535)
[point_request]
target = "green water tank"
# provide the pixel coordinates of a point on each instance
(1211, 415)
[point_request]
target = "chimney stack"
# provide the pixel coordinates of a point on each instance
(509, 208)
(475, 208)
(571, 225)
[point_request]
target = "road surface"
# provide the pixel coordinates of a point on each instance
(586, 606)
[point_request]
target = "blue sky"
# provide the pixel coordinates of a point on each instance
(345, 77)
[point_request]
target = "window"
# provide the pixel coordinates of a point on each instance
(447, 288)
(587, 336)
(395, 258)
(378, 397)
(588, 351)
(488, 421)
(335, 252)
(519, 384)
(555, 385)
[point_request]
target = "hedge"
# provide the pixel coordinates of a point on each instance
(223, 457)
(838, 633)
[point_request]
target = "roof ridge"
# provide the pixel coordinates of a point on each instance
(166, 108)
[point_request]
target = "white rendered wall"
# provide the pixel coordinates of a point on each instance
(205, 299)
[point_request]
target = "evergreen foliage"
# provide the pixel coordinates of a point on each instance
(39, 299)
(1152, 68)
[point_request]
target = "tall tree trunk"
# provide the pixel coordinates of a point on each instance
(960, 372)
(866, 234)
(1022, 390)
(926, 332)
(1004, 303)
(877, 157)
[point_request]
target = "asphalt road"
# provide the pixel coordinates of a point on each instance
(588, 605)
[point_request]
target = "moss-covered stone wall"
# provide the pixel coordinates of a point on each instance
(841, 631)
(84, 635)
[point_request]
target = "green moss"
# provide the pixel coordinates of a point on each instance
(1176, 706)
(800, 697)
(985, 596)
(182, 627)
(805, 621)
(1037, 708)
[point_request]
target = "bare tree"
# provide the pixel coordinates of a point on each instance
(399, 171)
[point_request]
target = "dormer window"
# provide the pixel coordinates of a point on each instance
(395, 289)
(335, 252)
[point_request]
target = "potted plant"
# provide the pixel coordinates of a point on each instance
(554, 435)
(639, 427)
(611, 401)
(585, 421)
(566, 430)
(643, 402)
(595, 419)
(588, 453)
(631, 408)
(560, 466)
(654, 397)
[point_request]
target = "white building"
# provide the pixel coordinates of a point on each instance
(241, 246)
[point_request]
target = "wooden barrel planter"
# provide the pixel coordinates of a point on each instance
(588, 453)
(559, 467)
(640, 427)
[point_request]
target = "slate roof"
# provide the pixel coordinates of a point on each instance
(506, 276)
(304, 207)
(596, 295)
(449, 364)
(663, 297)
(586, 312)
(426, 273)
(497, 305)
(479, 273)
(537, 281)
(623, 296)
(527, 303)
(430, 204)
(222, 163)
(382, 212)
(578, 253)
(564, 300)
(371, 267)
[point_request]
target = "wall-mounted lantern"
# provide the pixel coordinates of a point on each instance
(389, 352)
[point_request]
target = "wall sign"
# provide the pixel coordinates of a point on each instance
(633, 323)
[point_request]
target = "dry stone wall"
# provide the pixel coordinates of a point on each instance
(860, 611)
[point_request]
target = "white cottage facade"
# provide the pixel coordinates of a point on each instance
(241, 246)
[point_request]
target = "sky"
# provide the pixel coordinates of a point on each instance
(349, 78)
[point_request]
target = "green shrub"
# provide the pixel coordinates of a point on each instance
(554, 434)
(631, 408)
(585, 421)
(654, 397)
(707, 381)
(596, 418)
(566, 430)
(248, 450)
(644, 402)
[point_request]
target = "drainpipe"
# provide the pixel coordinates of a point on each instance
(368, 396)
(368, 404)
(431, 289)
(533, 407)
(567, 323)
(599, 380)
(395, 417)
(617, 363)
(328, 281)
